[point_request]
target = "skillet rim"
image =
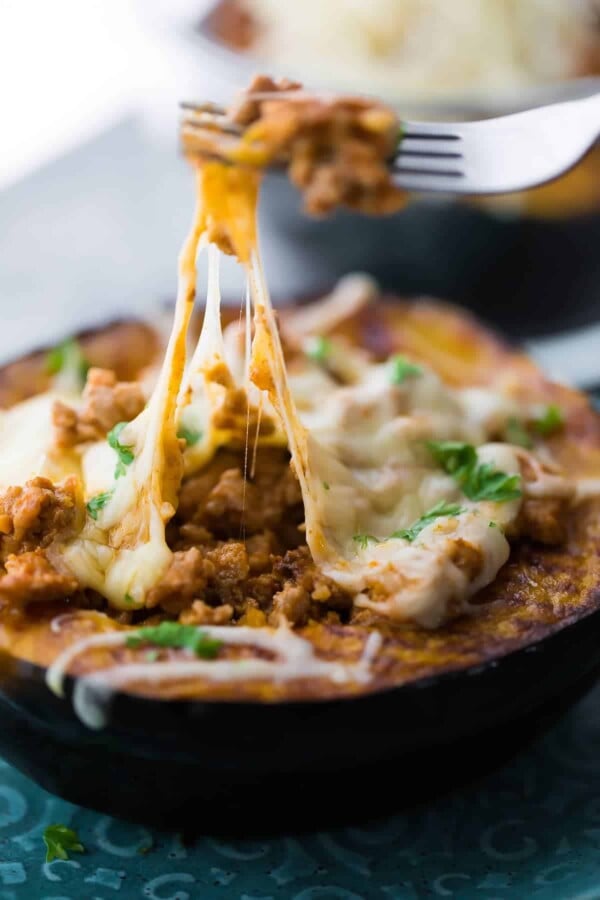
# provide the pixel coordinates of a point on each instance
(29, 671)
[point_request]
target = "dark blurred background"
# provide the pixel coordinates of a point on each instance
(95, 199)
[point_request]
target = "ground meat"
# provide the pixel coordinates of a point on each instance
(246, 109)
(200, 613)
(544, 519)
(259, 579)
(105, 402)
(235, 415)
(467, 558)
(337, 151)
(291, 604)
(219, 499)
(185, 580)
(261, 548)
(306, 592)
(216, 574)
(33, 515)
(30, 577)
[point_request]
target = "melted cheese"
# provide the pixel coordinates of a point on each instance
(27, 442)
(123, 553)
(361, 458)
(214, 373)
(359, 454)
(357, 442)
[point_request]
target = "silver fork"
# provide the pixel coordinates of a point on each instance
(491, 156)
(497, 156)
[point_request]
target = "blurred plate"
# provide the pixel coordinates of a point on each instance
(191, 27)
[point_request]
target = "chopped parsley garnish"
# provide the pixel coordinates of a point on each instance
(68, 357)
(363, 540)
(123, 451)
(440, 509)
(516, 433)
(454, 457)
(493, 525)
(95, 504)
(401, 369)
(326, 485)
(478, 481)
(172, 634)
(551, 420)
(318, 348)
(60, 841)
(190, 435)
(486, 483)
(129, 599)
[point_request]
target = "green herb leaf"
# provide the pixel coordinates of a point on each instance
(478, 481)
(60, 841)
(401, 369)
(120, 470)
(123, 451)
(95, 504)
(551, 420)
(326, 485)
(363, 540)
(318, 348)
(486, 483)
(68, 357)
(172, 634)
(129, 599)
(189, 435)
(516, 433)
(493, 525)
(440, 509)
(454, 457)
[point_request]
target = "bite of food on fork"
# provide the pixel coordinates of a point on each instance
(335, 149)
(357, 152)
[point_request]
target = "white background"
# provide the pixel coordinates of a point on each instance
(69, 68)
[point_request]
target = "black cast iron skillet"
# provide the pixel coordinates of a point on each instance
(232, 766)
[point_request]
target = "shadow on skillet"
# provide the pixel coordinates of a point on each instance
(233, 767)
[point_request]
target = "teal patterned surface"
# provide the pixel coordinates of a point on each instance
(529, 830)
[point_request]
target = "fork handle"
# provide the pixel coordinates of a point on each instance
(587, 112)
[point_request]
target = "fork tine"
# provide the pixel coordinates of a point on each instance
(451, 149)
(209, 107)
(430, 158)
(208, 121)
(430, 165)
(217, 109)
(432, 131)
(491, 156)
(428, 182)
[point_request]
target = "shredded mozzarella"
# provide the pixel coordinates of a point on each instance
(27, 442)
(123, 553)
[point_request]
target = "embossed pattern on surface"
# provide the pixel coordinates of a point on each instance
(531, 829)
